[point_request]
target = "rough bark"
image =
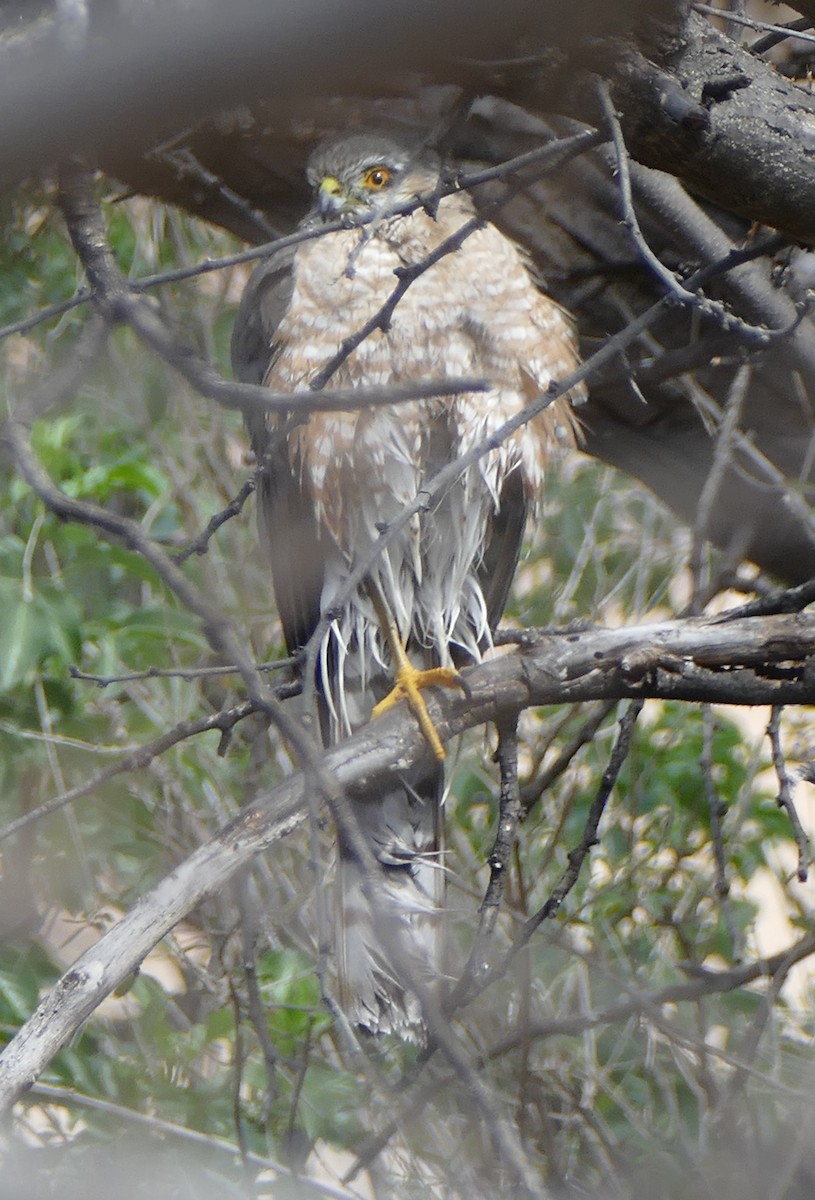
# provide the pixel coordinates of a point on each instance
(727, 124)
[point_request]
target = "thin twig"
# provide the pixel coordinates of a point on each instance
(637, 1003)
(705, 983)
(549, 157)
(236, 1091)
(532, 791)
(504, 1135)
(747, 1051)
(577, 856)
(254, 1001)
(795, 499)
(188, 674)
(510, 813)
(297, 1090)
(184, 163)
(133, 760)
(200, 544)
(58, 309)
(382, 318)
(717, 811)
(785, 798)
(790, 600)
(44, 1092)
(723, 452)
(750, 23)
(754, 334)
(409, 1108)
(789, 29)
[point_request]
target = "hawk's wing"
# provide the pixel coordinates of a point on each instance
(286, 520)
(503, 549)
(263, 304)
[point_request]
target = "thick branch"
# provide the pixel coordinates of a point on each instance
(726, 124)
(135, 83)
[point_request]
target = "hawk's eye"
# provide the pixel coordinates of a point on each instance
(376, 178)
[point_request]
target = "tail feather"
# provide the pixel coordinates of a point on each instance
(376, 951)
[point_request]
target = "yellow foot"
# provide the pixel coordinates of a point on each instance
(410, 681)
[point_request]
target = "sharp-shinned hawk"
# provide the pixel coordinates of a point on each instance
(328, 491)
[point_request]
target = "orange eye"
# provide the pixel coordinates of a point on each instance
(376, 178)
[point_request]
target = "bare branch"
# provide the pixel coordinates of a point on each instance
(382, 317)
(577, 856)
(789, 29)
(781, 31)
(200, 544)
(184, 162)
(510, 813)
(697, 300)
(748, 1050)
(504, 1135)
(724, 135)
(188, 673)
(790, 600)
(647, 1005)
(544, 159)
(133, 760)
(532, 791)
(126, 1117)
(717, 812)
(705, 983)
(785, 798)
(722, 458)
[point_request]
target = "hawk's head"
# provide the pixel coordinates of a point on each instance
(358, 175)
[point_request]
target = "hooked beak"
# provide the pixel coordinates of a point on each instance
(331, 198)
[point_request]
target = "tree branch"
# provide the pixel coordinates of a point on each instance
(133, 760)
(785, 798)
(705, 983)
(745, 144)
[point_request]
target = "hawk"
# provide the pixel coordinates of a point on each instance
(328, 490)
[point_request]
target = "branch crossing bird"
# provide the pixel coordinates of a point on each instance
(328, 490)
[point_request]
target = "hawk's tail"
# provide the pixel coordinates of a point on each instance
(379, 952)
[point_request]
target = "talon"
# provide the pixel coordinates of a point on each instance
(409, 683)
(409, 680)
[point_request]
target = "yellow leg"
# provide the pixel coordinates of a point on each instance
(409, 679)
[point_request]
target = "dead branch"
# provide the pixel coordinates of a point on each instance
(577, 856)
(133, 760)
(705, 983)
(735, 119)
(786, 798)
